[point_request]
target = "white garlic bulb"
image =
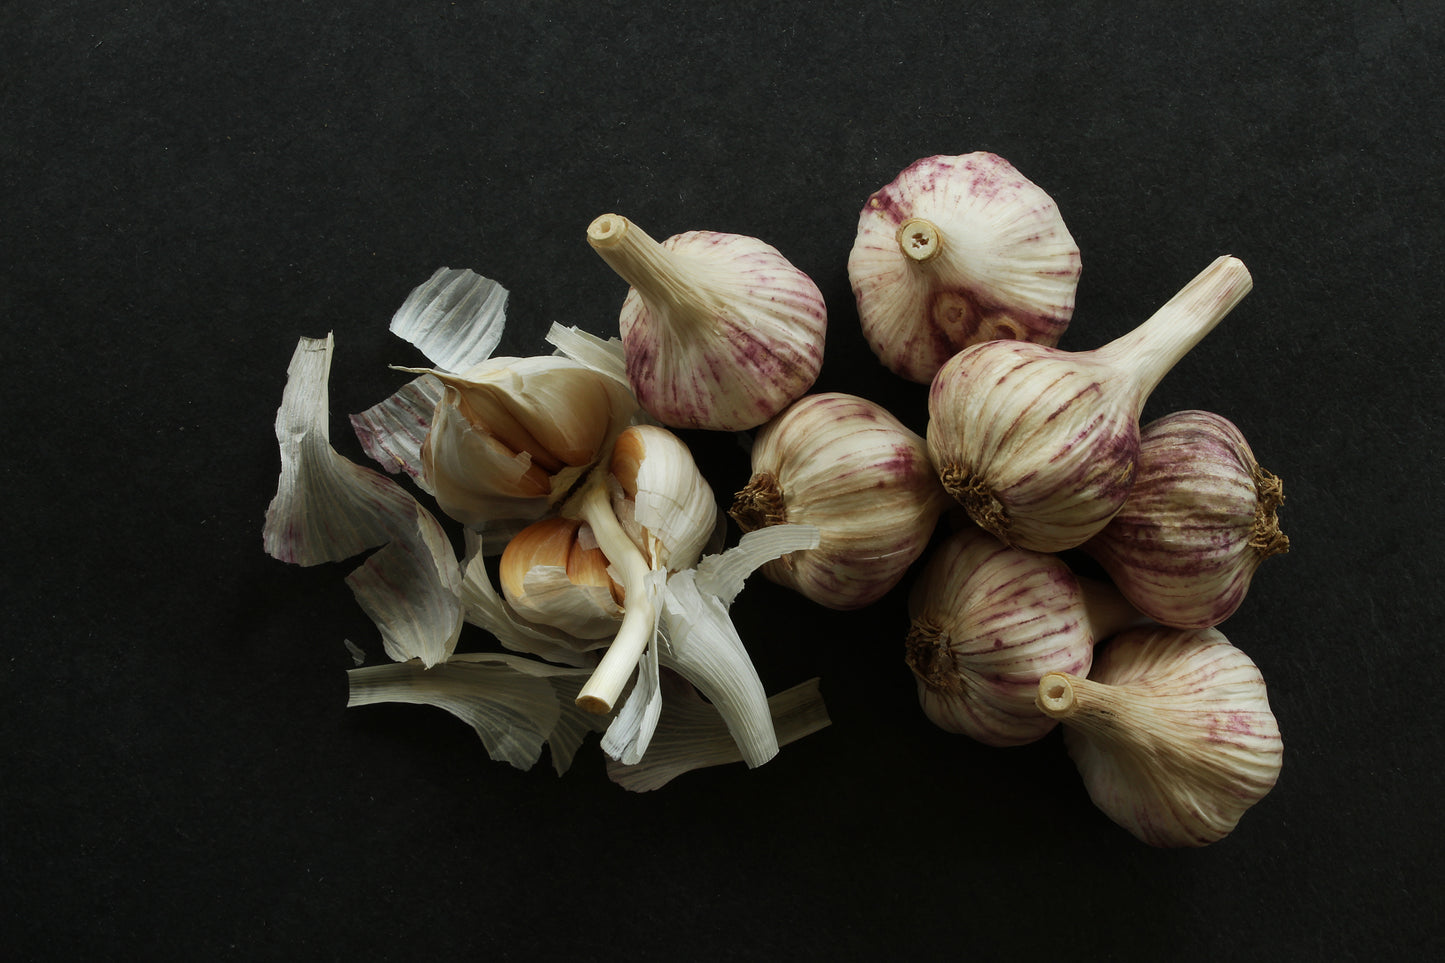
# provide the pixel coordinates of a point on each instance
(1172, 732)
(847, 466)
(552, 576)
(719, 330)
(988, 621)
(957, 251)
(1041, 445)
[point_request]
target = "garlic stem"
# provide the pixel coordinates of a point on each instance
(919, 239)
(639, 616)
(1151, 349)
(646, 265)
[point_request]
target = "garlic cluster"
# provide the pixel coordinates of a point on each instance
(844, 464)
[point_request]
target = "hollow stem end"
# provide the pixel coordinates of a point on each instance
(1056, 698)
(919, 239)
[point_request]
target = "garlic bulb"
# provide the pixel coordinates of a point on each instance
(1040, 445)
(957, 251)
(552, 576)
(988, 622)
(1172, 733)
(1200, 519)
(511, 436)
(847, 466)
(719, 330)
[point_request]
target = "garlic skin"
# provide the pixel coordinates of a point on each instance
(1172, 733)
(1198, 522)
(847, 466)
(551, 575)
(1041, 445)
(719, 330)
(988, 621)
(956, 251)
(661, 498)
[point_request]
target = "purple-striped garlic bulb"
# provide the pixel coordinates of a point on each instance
(957, 251)
(1172, 733)
(1200, 519)
(989, 621)
(1041, 445)
(847, 466)
(718, 330)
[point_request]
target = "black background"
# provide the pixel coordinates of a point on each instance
(190, 187)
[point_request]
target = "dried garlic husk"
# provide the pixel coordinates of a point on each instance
(550, 576)
(1041, 445)
(1200, 519)
(1172, 733)
(719, 330)
(957, 251)
(848, 467)
(988, 622)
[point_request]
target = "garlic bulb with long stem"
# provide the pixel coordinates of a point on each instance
(719, 330)
(846, 465)
(956, 251)
(1172, 732)
(988, 621)
(1200, 519)
(1041, 445)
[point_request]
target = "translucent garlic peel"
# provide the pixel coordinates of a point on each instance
(959, 250)
(455, 318)
(1172, 733)
(393, 431)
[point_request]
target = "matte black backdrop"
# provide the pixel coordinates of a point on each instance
(190, 187)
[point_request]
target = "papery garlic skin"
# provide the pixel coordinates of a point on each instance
(1040, 445)
(549, 576)
(662, 499)
(1200, 519)
(955, 251)
(1172, 733)
(847, 466)
(720, 331)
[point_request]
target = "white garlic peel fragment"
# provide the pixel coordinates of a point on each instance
(393, 431)
(1172, 733)
(845, 465)
(1040, 445)
(720, 331)
(603, 356)
(959, 250)
(455, 318)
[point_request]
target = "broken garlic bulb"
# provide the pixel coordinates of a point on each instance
(1172, 732)
(957, 251)
(552, 575)
(719, 330)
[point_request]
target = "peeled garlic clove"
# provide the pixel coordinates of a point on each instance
(988, 621)
(719, 330)
(957, 251)
(1041, 445)
(550, 577)
(1172, 733)
(845, 465)
(1199, 521)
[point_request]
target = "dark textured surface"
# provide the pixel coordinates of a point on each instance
(187, 188)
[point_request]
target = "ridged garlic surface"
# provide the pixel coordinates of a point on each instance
(846, 465)
(955, 251)
(720, 331)
(1172, 733)
(1041, 445)
(1200, 519)
(662, 499)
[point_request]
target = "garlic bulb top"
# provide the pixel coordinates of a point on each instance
(1040, 445)
(847, 466)
(511, 436)
(988, 622)
(1200, 519)
(1172, 732)
(719, 330)
(957, 251)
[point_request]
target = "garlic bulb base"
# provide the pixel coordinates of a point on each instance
(973, 493)
(1266, 538)
(920, 239)
(759, 504)
(927, 652)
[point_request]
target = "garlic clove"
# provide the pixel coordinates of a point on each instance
(957, 251)
(1172, 733)
(550, 577)
(1040, 445)
(662, 497)
(720, 331)
(845, 465)
(1200, 519)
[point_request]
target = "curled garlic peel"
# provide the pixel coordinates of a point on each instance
(955, 251)
(1172, 733)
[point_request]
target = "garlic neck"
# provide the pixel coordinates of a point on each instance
(659, 276)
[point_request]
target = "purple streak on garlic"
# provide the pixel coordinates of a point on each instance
(989, 621)
(1199, 521)
(1172, 733)
(957, 251)
(847, 466)
(1041, 445)
(719, 330)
